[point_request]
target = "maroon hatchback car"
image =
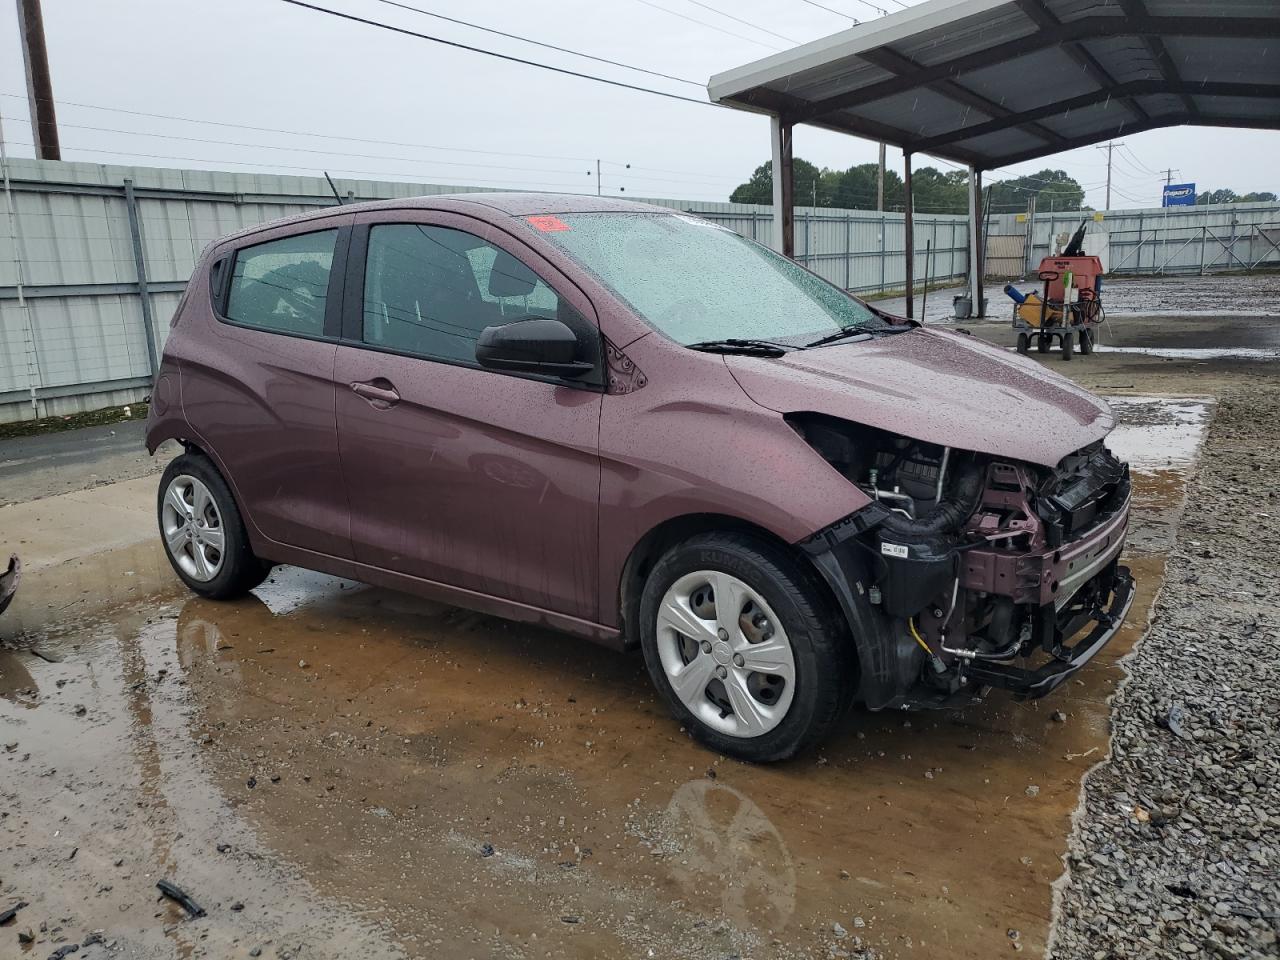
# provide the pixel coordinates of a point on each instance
(634, 425)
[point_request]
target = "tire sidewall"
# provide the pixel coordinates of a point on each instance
(236, 556)
(804, 630)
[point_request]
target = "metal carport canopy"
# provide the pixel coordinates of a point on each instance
(994, 82)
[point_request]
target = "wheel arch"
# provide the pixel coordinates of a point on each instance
(661, 538)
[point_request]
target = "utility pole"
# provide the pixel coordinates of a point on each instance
(1168, 179)
(599, 186)
(44, 122)
(880, 182)
(1110, 146)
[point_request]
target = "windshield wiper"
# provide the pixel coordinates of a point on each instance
(760, 348)
(855, 334)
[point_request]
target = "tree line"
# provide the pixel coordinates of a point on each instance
(1227, 195)
(933, 190)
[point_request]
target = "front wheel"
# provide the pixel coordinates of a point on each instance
(203, 534)
(1086, 342)
(1024, 343)
(744, 645)
(1066, 346)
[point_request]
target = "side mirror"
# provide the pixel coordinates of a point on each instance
(535, 345)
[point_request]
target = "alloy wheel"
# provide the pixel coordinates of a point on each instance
(192, 528)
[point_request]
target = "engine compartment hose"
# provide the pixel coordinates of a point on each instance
(946, 516)
(937, 664)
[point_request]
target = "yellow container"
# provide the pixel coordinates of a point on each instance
(1029, 311)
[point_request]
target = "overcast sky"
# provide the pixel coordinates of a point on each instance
(268, 65)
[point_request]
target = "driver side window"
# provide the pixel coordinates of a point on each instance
(429, 291)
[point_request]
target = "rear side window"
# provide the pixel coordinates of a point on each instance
(282, 285)
(429, 291)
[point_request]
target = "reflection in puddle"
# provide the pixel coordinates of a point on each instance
(1158, 432)
(717, 840)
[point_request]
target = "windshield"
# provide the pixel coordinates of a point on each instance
(698, 282)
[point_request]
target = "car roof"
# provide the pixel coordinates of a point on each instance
(511, 204)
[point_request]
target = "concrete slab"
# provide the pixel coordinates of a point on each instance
(76, 525)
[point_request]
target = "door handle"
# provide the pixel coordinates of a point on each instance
(379, 391)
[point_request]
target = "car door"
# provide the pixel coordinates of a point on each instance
(478, 479)
(257, 386)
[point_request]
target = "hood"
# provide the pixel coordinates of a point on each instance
(938, 387)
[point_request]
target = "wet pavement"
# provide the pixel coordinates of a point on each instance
(332, 770)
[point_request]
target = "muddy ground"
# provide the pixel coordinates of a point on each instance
(337, 771)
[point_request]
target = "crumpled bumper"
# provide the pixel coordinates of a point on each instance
(1026, 684)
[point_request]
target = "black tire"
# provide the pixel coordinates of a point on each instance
(240, 570)
(1086, 342)
(824, 680)
(1066, 346)
(1043, 342)
(1024, 344)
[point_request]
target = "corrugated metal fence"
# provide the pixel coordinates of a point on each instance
(89, 239)
(1173, 240)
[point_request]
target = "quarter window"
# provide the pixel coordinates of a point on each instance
(283, 284)
(429, 291)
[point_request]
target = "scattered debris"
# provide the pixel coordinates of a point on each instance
(486, 850)
(64, 951)
(8, 914)
(1033, 791)
(180, 897)
(9, 581)
(1173, 721)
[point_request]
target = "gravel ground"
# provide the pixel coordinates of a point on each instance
(1176, 850)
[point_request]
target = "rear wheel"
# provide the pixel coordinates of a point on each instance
(1024, 343)
(1066, 346)
(1086, 342)
(203, 534)
(742, 643)
(1044, 342)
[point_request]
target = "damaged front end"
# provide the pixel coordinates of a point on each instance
(969, 571)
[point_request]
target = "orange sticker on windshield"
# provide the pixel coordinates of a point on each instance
(547, 223)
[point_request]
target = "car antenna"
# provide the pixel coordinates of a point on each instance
(337, 196)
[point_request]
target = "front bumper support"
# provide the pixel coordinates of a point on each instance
(1028, 684)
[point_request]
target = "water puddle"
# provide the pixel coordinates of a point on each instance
(1195, 353)
(374, 775)
(1154, 433)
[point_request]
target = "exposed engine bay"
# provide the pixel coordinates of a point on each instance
(978, 563)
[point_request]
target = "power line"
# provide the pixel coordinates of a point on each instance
(269, 146)
(709, 26)
(745, 23)
(281, 166)
(325, 136)
(538, 43)
(493, 53)
(1134, 158)
(302, 133)
(838, 13)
